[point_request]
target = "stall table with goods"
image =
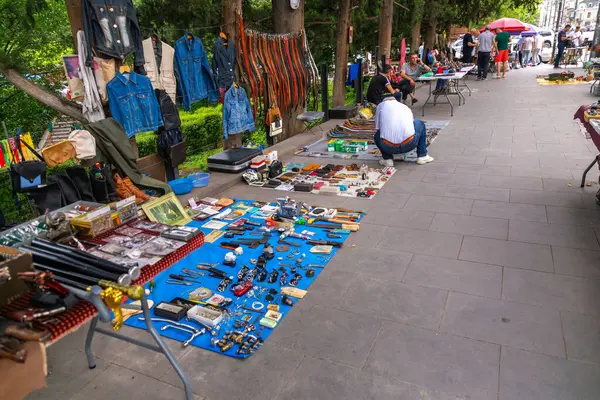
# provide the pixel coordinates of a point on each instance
(219, 274)
(589, 118)
(448, 84)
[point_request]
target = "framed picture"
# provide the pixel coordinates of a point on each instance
(166, 210)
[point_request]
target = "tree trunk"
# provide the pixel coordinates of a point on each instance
(415, 18)
(74, 12)
(46, 98)
(341, 54)
(415, 41)
(286, 20)
(430, 36)
(228, 18)
(386, 13)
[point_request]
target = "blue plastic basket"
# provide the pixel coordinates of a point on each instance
(199, 179)
(181, 186)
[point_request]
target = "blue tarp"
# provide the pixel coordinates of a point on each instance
(213, 253)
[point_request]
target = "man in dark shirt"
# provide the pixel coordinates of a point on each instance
(561, 43)
(468, 46)
(381, 84)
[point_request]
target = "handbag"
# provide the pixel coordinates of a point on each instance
(27, 175)
(58, 153)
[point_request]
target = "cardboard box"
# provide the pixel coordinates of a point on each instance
(16, 261)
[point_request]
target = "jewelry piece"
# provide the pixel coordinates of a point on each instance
(257, 306)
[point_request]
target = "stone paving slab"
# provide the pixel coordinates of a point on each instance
(474, 277)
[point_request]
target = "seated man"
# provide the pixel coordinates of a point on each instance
(411, 71)
(398, 132)
(380, 85)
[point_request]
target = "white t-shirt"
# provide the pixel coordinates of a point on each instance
(394, 121)
(527, 43)
(576, 38)
(539, 42)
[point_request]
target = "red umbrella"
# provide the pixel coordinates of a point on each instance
(511, 25)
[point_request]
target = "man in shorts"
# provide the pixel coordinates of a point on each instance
(501, 42)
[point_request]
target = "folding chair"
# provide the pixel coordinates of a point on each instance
(310, 117)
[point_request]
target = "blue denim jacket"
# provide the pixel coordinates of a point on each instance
(195, 78)
(237, 114)
(133, 103)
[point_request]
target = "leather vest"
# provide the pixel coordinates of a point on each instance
(165, 78)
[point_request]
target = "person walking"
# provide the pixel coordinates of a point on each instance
(562, 43)
(526, 47)
(486, 44)
(538, 44)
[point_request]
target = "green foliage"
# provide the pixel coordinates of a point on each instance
(34, 34)
(197, 162)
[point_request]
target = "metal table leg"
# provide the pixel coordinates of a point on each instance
(160, 346)
(596, 161)
(426, 101)
(449, 102)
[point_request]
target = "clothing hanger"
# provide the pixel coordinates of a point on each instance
(224, 36)
(235, 85)
(125, 69)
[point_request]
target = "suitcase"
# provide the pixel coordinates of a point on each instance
(232, 161)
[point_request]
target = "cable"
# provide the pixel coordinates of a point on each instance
(201, 27)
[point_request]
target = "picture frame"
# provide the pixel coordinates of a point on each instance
(166, 210)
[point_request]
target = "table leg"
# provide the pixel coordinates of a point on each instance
(449, 102)
(426, 101)
(88, 343)
(596, 160)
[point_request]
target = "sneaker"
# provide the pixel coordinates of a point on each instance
(424, 160)
(386, 163)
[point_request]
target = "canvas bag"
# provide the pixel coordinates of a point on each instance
(27, 175)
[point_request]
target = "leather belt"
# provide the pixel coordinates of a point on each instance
(405, 141)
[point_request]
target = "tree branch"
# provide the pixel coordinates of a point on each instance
(44, 97)
(320, 23)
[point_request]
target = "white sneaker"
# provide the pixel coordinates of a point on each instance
(424, 160)
(386, 163)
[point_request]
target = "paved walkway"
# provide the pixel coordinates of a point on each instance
(474, 277)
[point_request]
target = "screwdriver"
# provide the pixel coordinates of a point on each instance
(181, 278)
(213, 271)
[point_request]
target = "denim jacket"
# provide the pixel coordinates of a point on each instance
(195, 79)
(111, 27)
(133, 103)
(237, 114)
(223, 63)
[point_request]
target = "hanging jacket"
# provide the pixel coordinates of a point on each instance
(168, 110)
(111, 28)
(133, 103)
(237, 114)
(195, 79)
(223, 63)
(159, 65)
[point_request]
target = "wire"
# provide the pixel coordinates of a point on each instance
(199, 28)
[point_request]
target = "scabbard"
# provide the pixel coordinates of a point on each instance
(70, 264)
(82, 256)
(72, 276)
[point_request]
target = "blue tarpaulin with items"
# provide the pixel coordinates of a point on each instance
(213, 253)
